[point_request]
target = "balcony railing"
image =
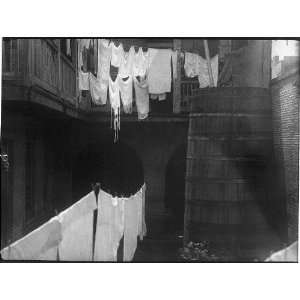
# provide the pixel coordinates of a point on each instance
(40, 63)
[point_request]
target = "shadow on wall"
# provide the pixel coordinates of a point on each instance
(264, 178)
(115, 165)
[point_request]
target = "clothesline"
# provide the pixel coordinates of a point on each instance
(182, 52)
(75, 234)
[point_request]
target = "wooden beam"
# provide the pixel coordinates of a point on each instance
(211, 79)
(177, 81)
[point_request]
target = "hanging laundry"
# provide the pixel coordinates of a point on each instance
(126, 87)
(126, 65)
(114, 96)
(104, 58)
(117, 54)
(203, 76)
(162, 96)
(141, 96)
(40, 244)
(83, 81)
(131, 225)
(77, 230)
(110, 227)
(142, 230)
(98, 90)
(159, 76)
(152, 53)
(153, 96)
(192, 64)
(141, 63)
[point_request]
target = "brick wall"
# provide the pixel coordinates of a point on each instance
(285, 109)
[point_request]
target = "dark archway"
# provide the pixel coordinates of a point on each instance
(175, 188)
(116, 166)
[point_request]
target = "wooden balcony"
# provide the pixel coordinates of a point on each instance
(38, 66)
(37, 70)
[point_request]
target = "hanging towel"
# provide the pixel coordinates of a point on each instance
(98, 89)
(117, 54)
(141, 97)
(151, 54)
(126, 93)
(140, 63)
(159, 76)
(104, 58)
(83, 81)
(77, 230)
(40, 244)
(110, 227)
(131, 226)
(114, 97)
(191, 64)
(203, 76)
(126, 65)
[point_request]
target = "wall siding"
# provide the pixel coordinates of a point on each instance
(285, 108)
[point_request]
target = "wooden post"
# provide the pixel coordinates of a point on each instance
(59, 69)
(211, 79)
(177, 81)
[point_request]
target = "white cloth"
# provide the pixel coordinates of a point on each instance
(142, 229)
(160, 97)
(131, 227)
(195, 65)
(203, 76)
(77, 230)
(84, 81)
(289, 254)
(117, 54)
(141, 97)
(191, 64)
(110, 227)
(126, 93)
(40, 244)
(98, 89)
(140, 63)
(115, 102)
(126, 65)
(159, 76)
(104, 58)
